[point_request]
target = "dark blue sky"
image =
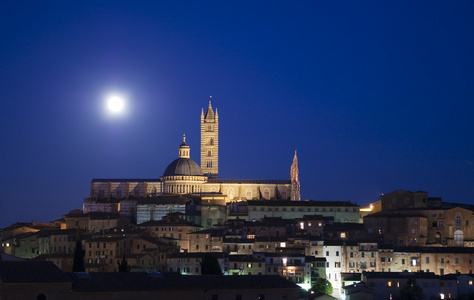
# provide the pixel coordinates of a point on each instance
(376, 96)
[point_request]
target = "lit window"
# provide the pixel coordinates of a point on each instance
(302, 225)
(343, 235)
(283, 244)
(389, 283)
(470, 282)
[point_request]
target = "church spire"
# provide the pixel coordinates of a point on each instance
(209, 113)
(295, 182)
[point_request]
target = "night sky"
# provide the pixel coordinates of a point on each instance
(375, 96)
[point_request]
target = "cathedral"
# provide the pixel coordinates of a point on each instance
(184, 180)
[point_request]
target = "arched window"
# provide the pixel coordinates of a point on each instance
(230, 193)
(248, 194)
(438, 237)
(458, 221)
(266, 194)
(458, 238)
(153, 191)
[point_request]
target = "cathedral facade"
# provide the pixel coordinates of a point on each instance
(185, 178)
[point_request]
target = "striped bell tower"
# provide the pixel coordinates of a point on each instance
(210, 142)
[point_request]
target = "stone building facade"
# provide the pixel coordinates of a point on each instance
(184, 176)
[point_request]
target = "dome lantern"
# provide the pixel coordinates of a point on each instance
(184, 149)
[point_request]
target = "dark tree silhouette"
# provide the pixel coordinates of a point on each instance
(322, 285)
(78, 264)
(123, 265)
(210, 265)
(411, 290)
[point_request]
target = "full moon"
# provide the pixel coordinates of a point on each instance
(115, 104)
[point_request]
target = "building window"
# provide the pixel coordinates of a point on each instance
(458, 238)
(266, 194)
(248, 194)
(458, 221)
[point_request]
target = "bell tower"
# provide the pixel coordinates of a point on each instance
(210, 142)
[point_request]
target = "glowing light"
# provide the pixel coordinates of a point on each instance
(305, 286)
(115, 104)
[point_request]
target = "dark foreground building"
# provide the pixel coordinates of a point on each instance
(43, 280)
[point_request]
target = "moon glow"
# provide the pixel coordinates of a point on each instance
(115, 104)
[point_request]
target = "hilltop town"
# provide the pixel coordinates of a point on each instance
(255, 227)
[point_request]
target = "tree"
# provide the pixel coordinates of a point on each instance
(210, 265)
(123, 265)
(78, 264)
(411, 290)
(322, 285)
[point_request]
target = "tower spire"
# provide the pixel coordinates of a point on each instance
(295, 182)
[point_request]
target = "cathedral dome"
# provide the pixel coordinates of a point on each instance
(183, 167)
